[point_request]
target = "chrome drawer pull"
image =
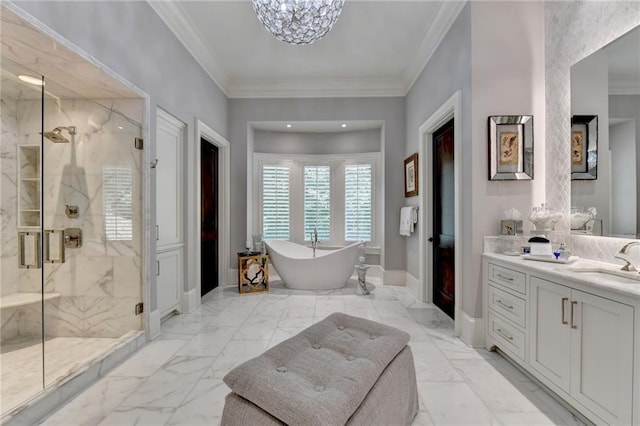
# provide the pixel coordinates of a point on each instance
(500, 302)
(503, 334)
(563, 302)
(504, 278)
(573, 324)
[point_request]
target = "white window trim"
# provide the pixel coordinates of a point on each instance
(337, 162)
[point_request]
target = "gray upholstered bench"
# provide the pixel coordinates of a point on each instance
(341, 370)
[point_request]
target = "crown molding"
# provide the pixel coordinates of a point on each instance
(173, 15)
(624, 85)
(317, 88)
(446, 16)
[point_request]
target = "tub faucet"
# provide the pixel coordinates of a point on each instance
(625, 250)
(314, 240)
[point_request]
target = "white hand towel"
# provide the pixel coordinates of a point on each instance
(406, 221)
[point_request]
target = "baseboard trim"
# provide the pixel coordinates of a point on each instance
(154, 324)
(394, 277)
(190, 300)
(413, 285)
(472, 331)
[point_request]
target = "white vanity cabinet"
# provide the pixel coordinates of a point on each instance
(581, 342)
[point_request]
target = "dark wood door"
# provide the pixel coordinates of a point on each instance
(444, 219)
(209, 217)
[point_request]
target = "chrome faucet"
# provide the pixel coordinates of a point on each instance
(314, 240)
(625, 250)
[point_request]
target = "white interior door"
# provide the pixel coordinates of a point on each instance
(169, 211)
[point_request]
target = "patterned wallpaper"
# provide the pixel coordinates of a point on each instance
(573, 31)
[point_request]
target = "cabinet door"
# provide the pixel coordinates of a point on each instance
(602, 376)
(169, 180)
(169, 280)
(550, 348)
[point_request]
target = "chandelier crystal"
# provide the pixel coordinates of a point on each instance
(298, 21)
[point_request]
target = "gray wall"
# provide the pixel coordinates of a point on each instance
(388, 110)
(316, 143)
(132, 40)
(493, 54)
(448, 71)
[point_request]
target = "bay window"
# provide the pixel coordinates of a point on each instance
(335, 195)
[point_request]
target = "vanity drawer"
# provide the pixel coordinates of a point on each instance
(507, 277)
(507, 336)
(509, 306)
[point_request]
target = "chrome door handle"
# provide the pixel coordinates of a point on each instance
(29, 246)
(573, 324)
(563, 302)
(55, 253)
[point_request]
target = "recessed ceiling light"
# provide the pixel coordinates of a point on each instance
(31, 80)
(344, 124)
(288, 126)
(120, 127)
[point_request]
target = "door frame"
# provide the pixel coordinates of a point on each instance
(448, 110)
(224, 206)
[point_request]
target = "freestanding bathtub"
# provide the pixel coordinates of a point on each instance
(300, 270)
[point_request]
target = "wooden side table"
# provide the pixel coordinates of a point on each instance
(253, 272)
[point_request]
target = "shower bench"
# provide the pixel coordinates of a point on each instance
(341, 370)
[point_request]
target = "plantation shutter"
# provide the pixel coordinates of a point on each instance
(317, 201)
(358, 202)
(117, 203)
(275, 202)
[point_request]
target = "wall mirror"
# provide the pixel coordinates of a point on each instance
(605, 140)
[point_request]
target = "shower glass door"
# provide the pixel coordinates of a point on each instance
(21, 273)
(91, 228)
(71, 234)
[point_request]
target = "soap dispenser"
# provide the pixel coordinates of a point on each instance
(564, 253)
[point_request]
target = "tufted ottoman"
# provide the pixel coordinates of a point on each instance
(341, 370)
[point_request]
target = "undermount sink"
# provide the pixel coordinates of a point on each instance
(606, 274)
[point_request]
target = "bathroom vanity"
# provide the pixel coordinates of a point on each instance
(574, 327)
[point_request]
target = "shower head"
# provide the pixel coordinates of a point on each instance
(56, 134)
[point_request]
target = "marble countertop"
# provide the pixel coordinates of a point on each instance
(585, 272)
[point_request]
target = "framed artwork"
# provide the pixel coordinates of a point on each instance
(411, 175)
(584, 147)
(510, 147)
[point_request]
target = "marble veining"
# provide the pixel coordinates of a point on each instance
(574, 30)
(177, 379)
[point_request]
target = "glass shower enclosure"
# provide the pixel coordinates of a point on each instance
(71, 229)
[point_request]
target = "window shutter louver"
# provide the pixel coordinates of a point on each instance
(117, 202)
(317, 201)
(275, 202)
(358, 202)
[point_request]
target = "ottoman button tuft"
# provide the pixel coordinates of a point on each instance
(373, 337)
(281, 369)
(351, 358)
(341, 327)
(315, 346)
(319, 388)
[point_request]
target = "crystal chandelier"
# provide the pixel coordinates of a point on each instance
(298, 21)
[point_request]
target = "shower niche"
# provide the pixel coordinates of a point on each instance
(29, 186)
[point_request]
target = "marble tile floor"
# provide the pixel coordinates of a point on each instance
(21, 363)
(177, 378)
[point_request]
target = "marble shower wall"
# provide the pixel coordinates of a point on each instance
(574, 30)
(99, 283)
(8, 216)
